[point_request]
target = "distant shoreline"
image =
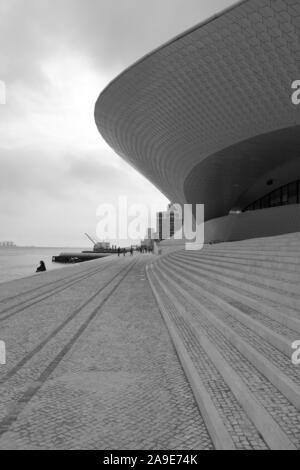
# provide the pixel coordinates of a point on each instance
(47, 247)
(22, 261)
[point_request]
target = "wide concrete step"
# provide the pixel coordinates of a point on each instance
(281, 252)
(284, 279)
(285, 294)
(228, 424)
(270, 262)
(285, 242)
(216, 359)
(267, 247)
(285, 321)
(269, 345)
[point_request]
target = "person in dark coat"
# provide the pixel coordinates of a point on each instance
(41, 268)
(119, 251)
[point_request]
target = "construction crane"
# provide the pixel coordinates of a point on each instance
(90, 238)
(99, 246)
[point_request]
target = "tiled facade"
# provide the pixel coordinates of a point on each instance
(228, 81)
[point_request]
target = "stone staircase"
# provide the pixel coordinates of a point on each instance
(232, 311)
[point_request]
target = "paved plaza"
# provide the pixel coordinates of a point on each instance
(184, 351)
(90, 364)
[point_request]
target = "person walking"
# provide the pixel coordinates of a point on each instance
(131, 251)
(119, 251)
(124, 251)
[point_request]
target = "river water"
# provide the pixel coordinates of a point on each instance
(20, 262)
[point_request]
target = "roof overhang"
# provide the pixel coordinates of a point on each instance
(209, 113)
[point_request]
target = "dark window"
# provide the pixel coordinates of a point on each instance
(275, 198)
(265, 202)
(288, 194)
(293, 193)
(285, 195)
(256, 205)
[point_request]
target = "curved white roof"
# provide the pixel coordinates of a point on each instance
(208, 116)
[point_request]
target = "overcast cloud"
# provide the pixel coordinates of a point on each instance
(56, 57)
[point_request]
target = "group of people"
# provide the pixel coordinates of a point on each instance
(142, 249)
(124, 251)
(146, 249)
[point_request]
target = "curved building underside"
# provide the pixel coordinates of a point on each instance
(208, 117)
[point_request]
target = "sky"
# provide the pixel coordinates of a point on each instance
(56, 56)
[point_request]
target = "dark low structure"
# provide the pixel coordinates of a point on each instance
(77, 257)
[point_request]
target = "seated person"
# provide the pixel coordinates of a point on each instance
(41, 267)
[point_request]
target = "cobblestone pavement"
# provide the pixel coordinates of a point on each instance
(92, 366)
(283, 412)
(237, 340)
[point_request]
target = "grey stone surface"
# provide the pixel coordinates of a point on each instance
(202, 310)
(237, 423)
(118, 385)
